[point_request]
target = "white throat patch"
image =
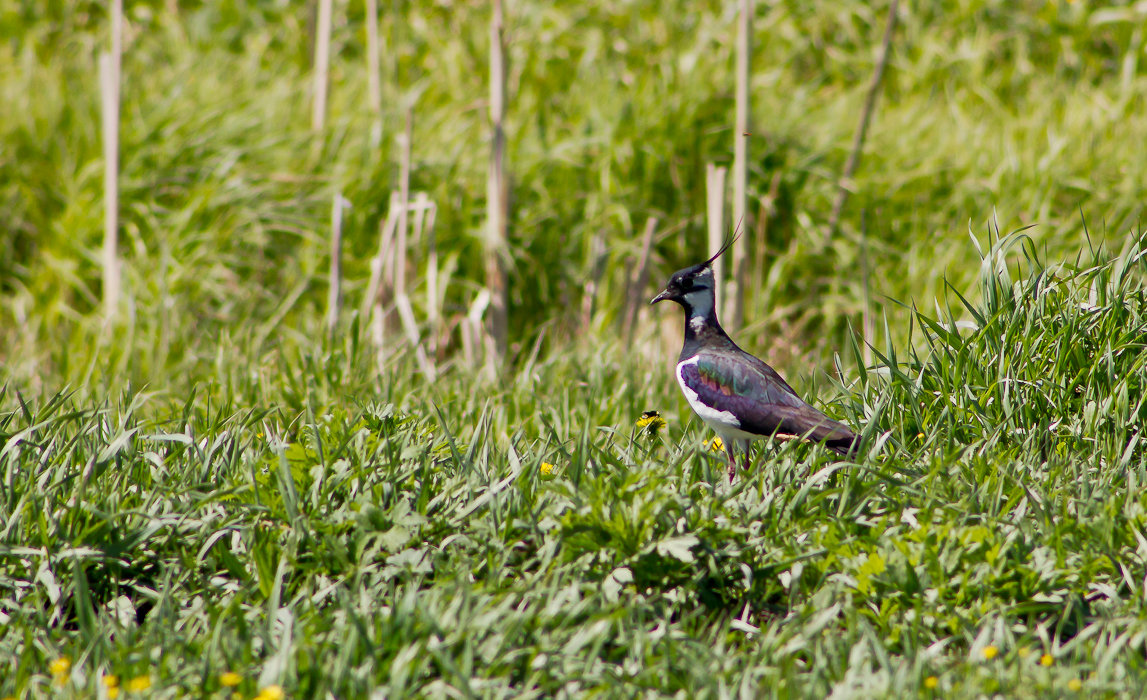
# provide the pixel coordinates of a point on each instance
(701, 298)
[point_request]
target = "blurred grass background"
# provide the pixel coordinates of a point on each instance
(209, 485)
(994, 116)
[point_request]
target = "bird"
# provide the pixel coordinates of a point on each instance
(736, 394)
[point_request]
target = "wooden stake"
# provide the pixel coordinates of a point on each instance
(109, 89)
(381, 270)
(862, 128)
(373, 80)
(715, 199)
(736, 291)
(473, 322)
(423, 210)
(419, 206)
(404, 204)
(322, 66)
(334, 287)
(465, 331)
(433, 313)
(410, 327)
(867, 322)
(768, 210)
(497, 198)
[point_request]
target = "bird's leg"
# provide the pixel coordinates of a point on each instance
(745, 464)
(732, 460)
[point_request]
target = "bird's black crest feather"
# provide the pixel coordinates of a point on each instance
(724, 246)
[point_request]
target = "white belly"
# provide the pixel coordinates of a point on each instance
(723, 423)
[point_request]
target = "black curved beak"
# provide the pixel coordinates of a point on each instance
(660, 297)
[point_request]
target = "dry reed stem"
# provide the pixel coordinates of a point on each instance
(497, 199)
(334, 288)
(740, 252)
(715, 217)
(109, 67)
(321, 66)
(373, 79)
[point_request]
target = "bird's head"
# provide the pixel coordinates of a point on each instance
(693, 286)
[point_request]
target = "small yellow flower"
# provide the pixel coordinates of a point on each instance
(990, 652)
(139, 683)
(1075, 685)
(232, 679)
(715, 445)
(919, 436)
(113, 692)
(271, 692)
(931, 682)
(651, 422)
(1046, 660)
(60, 666)
(111, 681)
(546, 470)
(1023, 652)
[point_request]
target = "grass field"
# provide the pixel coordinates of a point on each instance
(209, 499)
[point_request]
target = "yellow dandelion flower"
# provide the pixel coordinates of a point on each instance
(139, 683)
(651, 422)
(232, 679)
(546, 470)
(60, 666)
(111, 681)
(1075, 685)
(990, 652)
(931, 682)
(113, 692)
(919, 436)
(1046, 660)
(715, 445)
(272, 692)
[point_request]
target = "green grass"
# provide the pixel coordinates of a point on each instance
(410, 541)
(204, 487)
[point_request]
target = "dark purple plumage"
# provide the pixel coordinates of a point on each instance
(738, 395)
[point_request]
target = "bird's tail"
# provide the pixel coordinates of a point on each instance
(844, 446)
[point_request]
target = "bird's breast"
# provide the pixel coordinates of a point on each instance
(717, 418)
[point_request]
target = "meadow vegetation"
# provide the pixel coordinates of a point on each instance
(209, 497)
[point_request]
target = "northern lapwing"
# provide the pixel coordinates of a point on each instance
(737, 395)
